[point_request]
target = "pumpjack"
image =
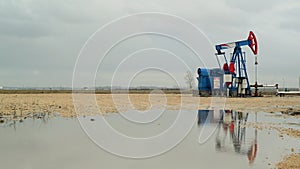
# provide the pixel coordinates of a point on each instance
(238, 84)
(234, 79)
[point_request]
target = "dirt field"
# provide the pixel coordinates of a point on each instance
(20, 105)
(63, 103)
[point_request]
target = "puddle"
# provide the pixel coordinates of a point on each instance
(282, 120)
(56, 142)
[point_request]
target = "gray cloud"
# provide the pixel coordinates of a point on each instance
(40, 40)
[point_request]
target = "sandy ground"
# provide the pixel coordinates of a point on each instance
(290, 162)
(20, 105)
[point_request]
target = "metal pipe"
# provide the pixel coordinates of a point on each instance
(299, 83)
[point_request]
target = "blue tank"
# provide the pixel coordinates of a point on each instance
(210, 81)
(204, 83)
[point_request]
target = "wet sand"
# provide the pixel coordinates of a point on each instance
(20, 105)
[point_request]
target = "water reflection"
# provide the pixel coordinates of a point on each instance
(63, 144)
(231, 132)
(13, 120)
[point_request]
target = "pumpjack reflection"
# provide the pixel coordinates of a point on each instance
(231, 132)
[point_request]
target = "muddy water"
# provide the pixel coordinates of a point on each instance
(57, 142)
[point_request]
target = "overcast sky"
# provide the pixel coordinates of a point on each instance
(40, 40)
